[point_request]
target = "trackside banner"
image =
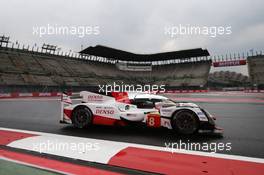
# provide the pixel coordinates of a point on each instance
(229, 63)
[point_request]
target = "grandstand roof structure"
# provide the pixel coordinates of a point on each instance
(116, 54)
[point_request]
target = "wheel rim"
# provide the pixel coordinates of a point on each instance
(186, 123)
(81, 118)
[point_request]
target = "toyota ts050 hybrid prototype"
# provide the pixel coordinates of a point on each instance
(128, 108)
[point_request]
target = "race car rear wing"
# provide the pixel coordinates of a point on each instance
(90, 97)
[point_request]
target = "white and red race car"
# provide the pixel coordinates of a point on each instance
(126, 108)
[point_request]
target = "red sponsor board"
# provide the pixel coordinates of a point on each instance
(229, 63)
(31, 94)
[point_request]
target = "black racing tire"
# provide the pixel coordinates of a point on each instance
(185, 122)
(82, 117)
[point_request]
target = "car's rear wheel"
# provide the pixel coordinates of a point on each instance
(185, 122)
(82, 117)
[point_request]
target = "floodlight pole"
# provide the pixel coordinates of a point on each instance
(4, 40)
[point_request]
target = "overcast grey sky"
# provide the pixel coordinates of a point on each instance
(138, 25)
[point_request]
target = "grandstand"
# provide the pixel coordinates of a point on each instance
(221, 79)
(25, 70)
(256, 71)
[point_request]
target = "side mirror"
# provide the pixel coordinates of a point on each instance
(158, 105)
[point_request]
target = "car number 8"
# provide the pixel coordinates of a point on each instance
(153, 120)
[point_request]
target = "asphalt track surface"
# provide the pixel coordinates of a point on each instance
(243, 123)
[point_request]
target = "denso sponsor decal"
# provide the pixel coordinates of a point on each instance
(104, 111)
(95, 97)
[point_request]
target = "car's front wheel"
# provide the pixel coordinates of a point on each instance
(185, 122)
(81, 117)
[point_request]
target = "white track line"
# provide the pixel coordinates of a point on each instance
(107, 148)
